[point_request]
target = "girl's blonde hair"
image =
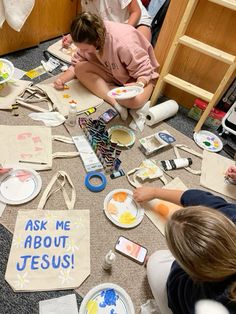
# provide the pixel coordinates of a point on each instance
(89, 28)
(203, 241)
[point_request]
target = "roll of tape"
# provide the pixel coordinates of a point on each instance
(95, 188)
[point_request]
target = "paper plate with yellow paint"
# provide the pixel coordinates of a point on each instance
(107, 298)
(123, 136)
(6, 70)
(125, 92)
(121, 209)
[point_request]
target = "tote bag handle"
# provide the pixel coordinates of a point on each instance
(60, 178)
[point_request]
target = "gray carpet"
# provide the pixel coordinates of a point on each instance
(131, 276)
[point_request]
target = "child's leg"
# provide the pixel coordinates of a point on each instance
(139, 100)
(146, 31)
(99, 83)
(158, 269)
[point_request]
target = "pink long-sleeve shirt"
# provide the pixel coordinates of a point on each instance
(127, 55)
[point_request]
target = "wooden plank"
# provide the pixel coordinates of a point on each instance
(188, 87)
(173, 50)
(207, 49)
(217, 95)
(230, 4)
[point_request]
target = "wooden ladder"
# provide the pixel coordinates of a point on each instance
(182, 39)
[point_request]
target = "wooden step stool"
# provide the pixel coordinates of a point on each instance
(182, 39)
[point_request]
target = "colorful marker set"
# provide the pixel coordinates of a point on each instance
(98, 137)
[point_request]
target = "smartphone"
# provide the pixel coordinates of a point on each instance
(131, 249)
(108, 115)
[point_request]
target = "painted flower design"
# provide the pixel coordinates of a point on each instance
(71, 246)
(65, 277)
(18, 241)
(21, 281)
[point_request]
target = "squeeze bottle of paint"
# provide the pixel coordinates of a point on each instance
(109, 260)
(176, 163)
(71, 120)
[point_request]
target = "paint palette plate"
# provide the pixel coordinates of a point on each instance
(123, 136)
(125, 92)
(6, 70)
(19, 186)
(208, 141)
(107, 298)
(121, 209)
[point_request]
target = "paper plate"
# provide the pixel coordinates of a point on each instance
(123, 136)
(122, 210)
(107, 298)
(125, 92)
(208, 141)
(19, 186)
(6, 70)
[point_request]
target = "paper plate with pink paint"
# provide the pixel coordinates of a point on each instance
(121, 209)
(125, 92)
(107, 298)
(19, 186)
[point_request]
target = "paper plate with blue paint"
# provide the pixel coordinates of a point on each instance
(107, 298)
(121, 209)
(208, 141)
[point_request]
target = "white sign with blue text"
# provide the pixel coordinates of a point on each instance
(50, 250)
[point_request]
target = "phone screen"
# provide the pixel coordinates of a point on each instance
(131, 249)
(108, 115)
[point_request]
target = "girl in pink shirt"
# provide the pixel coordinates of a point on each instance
(111, 54)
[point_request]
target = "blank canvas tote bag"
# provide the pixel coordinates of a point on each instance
(30, 146)
(50, 248)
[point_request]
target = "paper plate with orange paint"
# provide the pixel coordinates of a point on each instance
(121, 209)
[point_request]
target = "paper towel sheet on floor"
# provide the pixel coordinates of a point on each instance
(139, 117)
(63, 305)
(15, 12)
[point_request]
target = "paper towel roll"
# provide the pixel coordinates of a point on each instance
(161, 112)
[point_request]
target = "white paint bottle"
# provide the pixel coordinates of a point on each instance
(71, 120)
(109, 260)
(176, 163)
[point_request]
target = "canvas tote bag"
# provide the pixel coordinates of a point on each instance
(214, 167)
(10, 91)
(74, 93)
(43, 97)
(30, 146)
(50, 248)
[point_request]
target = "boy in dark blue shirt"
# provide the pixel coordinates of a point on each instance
(201, 263)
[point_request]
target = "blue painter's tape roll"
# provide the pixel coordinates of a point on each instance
(95, 188)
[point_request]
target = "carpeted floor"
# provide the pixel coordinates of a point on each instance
(126, 273)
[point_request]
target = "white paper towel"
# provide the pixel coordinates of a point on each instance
(161, 112)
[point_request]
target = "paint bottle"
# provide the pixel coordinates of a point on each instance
(117, 174)
(109, 260)
(71, 120)
(176, 163)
